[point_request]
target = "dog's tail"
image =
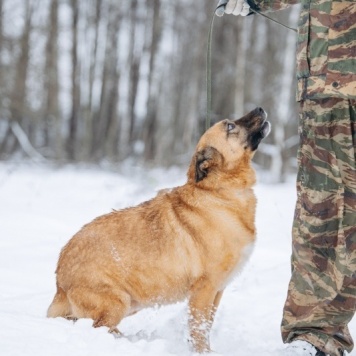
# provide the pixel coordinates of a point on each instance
(60, 305)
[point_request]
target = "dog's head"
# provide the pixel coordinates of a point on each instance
(228, 146)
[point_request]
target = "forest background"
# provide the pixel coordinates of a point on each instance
(110, 80)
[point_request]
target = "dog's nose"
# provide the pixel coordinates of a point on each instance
(259, 111)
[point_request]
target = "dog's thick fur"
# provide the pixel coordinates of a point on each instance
(187, 242)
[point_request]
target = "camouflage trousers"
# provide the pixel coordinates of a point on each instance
(321, 296)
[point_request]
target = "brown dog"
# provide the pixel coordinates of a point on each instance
(187, 242)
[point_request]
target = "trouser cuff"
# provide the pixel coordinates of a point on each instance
(323, 342)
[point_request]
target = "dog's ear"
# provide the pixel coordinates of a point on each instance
(204, 161)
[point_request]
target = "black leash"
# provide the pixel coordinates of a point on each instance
(220, 9)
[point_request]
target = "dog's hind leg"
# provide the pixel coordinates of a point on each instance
(106, 308)
(60, 305)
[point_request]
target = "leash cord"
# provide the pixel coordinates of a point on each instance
(273, 20)
(208, 61)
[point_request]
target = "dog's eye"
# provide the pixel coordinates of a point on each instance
(230, 126)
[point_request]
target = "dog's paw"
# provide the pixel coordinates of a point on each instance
(115, 332)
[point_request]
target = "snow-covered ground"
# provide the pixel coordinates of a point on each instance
(41, 208)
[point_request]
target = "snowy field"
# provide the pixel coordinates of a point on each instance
(41, 208)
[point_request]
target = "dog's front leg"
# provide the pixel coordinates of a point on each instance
(216, 305)
(202, 310)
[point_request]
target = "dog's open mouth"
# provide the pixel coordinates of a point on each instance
(266, 129)
(257, 127)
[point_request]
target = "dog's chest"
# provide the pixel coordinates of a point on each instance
(233, 264)
(232, 244)
(234, 217)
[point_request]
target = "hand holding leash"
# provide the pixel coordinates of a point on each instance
(242, 8)
(235, 7)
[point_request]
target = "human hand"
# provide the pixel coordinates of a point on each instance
(235, 7)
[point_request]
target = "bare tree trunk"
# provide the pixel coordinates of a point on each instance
(111, 134)
(283, 99)
(73, 121)
(52, 131)
(134, 63)
(1, 43)
(25, 143)
(153, 87)
(89, 115)
(114, 123)
(107, 116)
(240, 76)
(258, 66)
(2, 94)
(196, 78)
(19, 92)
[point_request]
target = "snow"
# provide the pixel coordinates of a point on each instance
(42, 207)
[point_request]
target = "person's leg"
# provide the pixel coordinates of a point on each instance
(321, 293)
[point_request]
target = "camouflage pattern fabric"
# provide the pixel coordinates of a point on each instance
(326, 46)
(322, 291)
